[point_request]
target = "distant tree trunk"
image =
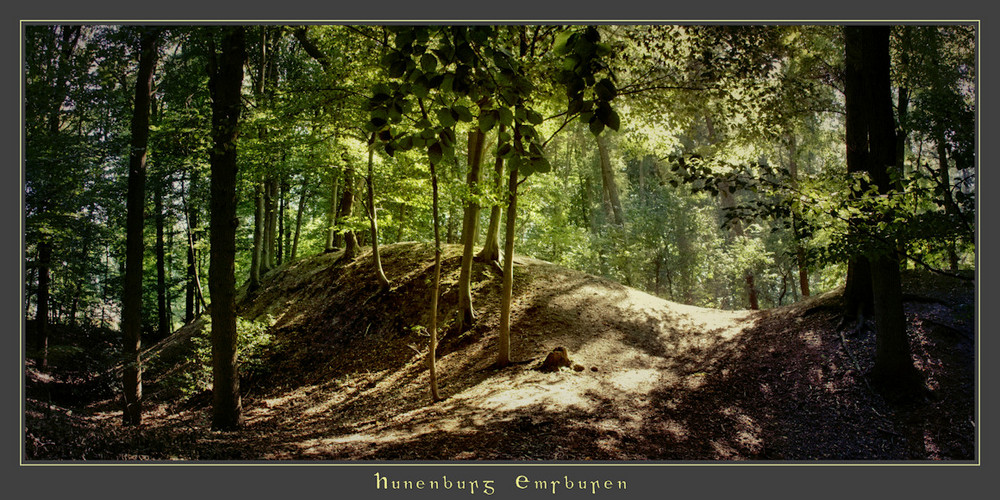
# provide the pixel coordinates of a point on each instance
(944, 179)
(800, 251)
(331, 222)
(467, 314)
(195, 298)
(401, 223)
(298, 219)
(346, 209)
(282, 202)
(736, 231)
(491, 247)
(135, 201)
(42, 312)
(226, 77)
(258, 238)
(163, 321)
(373, 216)
(867, 47)
(270, 223)
(609, 180)
(432, 350)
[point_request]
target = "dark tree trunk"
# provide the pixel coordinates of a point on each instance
(194, 295)
(270, 221)
(944, 179)
(858, 299)
(135, 204)
(893, 368)
(467, 315)
(800, 251)
(225, 83)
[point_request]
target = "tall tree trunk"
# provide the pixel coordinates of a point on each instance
(373, 216)
(298, 219)
(163, 321)
(491, 247)
(432, 350)
(258, 238)
(858, 299)
(893, 365)
(135, 201)
(503, 351)
(609, 180)
(194, 295)
(467, 315)
(225, 83)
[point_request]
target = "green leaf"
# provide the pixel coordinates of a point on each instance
(506, 117)
(540, 164)
(562, 42)
(533, 117)
(463, 113)
(596, 126)
(444, 116)
(613, 121)
(487, 120)
(428, 63)
(435, 152)
(606, 90)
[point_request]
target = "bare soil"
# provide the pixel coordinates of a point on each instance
(346, 378)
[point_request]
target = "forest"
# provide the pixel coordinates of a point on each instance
(636, 241)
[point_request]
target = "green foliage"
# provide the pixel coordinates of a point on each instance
(252, 341)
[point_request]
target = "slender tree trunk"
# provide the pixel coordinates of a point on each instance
(800, 251)
(491, 247)
(467, 314)
(135, 198)
(331, 222)
(298, 219)
(270, 223)
(373, 216)
(42, 312)
(163, 321)
(432, 350)
(225, 83)
(503, 352)
(346, 209)
(282, 201)
(609, 180)
(944, 179)
(258, 238)
(401, 223)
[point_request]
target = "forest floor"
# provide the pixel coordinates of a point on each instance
(344, 376)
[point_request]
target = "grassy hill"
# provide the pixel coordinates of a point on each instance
(335, 370)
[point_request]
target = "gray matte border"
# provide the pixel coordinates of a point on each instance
(356, 479)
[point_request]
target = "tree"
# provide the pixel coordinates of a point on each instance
(135, 201)
(871, 149)
(225, 81)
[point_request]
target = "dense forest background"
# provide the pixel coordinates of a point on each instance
(732, 167)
